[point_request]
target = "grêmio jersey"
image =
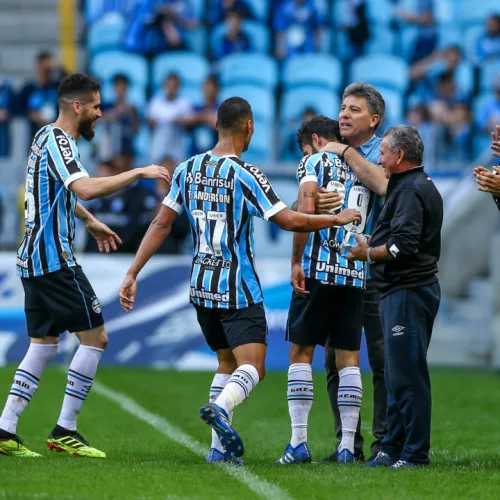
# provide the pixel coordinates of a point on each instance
(53, 164)
(221, 195)
(324, 255)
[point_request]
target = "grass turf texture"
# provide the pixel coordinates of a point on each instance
(142, 463)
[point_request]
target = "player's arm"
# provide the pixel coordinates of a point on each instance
(158, 230)
(368, 173)
(304, 223)
(107, 239)
(305, 205)
(87, 188)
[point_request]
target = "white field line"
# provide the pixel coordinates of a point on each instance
(260, 486)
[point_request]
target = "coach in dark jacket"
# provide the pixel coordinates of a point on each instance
(405, 249)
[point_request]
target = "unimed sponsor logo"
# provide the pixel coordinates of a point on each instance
(323, 267)
(204, 294)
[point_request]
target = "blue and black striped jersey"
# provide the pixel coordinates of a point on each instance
(322, 259)
(53, 164)
(220, 196)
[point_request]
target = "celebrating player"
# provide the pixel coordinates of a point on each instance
(221, 193)
(58, 296)
(327, 302)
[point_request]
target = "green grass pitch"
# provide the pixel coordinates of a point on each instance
(144, 463)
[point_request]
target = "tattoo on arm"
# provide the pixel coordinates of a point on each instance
(309, 194)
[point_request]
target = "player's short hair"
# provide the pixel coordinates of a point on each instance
(321, 125)
(374, 99)
(77, 87)
(233, 113)
(407, 139)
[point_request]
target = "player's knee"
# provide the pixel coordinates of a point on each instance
(301, 354)
(97, 337)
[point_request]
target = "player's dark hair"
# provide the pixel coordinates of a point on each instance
(233, 113)
(321, 125)
(77, 87)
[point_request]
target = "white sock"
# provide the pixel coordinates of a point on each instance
(25, 383)
(238, 387)
(300, 399)
(349, 400)
(81, 375)
(218, 384)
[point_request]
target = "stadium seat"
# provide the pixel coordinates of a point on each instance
(136, 95)
(394, 107)
(196, 40)
(262, 100)
(321, 70)
(382, 40)
(407, 38)
(106, 65)
(261, 147)
(474, 12)
(252, 68)
(379, 11)
(257, 32)
(464, 76)
(445, 11)
(385, 70)
(198, 8)
(191, 68)
(106, 34)
(295, 101)
(490, 74)
(142, 143)
(448, 35)
(472, 35)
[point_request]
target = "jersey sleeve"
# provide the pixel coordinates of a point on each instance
(63, 159)
(306, 171)
(260, 198)
(173, 199)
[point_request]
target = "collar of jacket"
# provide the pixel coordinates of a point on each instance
(397, 179)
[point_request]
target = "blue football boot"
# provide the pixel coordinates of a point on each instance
(345, 457)
(297, 455)
(214, 456)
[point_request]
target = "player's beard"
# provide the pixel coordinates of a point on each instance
(85, 129)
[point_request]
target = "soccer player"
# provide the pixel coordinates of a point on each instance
(58, 296)
(221, 193)
(327, 302)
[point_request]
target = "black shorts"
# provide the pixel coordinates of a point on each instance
(60, 301)
(230, 328)
(330, 315)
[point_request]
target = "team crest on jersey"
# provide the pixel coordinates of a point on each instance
(96, 305)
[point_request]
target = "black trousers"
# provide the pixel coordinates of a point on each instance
(376, 356)
(407, 319)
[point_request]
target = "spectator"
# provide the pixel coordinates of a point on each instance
(38, 99)
(96, 10)
(432, 134)
(120, 119)
(489, 114)
(422, 17)
(488, 44)
(298, 27)
(165, 114)
(181, 228)
(158, 25)
(6, 103)
(220, 9)
(128, 212)
(357, 27)
(235, 40)
(460, 133)
(201, 122)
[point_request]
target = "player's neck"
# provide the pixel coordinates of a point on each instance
(359, 140)
(67, 125)
(228, 146)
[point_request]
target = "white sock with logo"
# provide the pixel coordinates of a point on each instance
(300, 399)
(218, 384)
(349, 400)
(238, 387)
(25, 383)
(81, 375)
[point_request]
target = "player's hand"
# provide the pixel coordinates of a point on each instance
(489, 182)
(495, 145)
(359, 251)
(327, 201)
(127, 293)
(155, 172)
(298, 280)
(346, 216)
(333, 147)
(107, 239)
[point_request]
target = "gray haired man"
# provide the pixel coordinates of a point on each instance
(403, 253)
